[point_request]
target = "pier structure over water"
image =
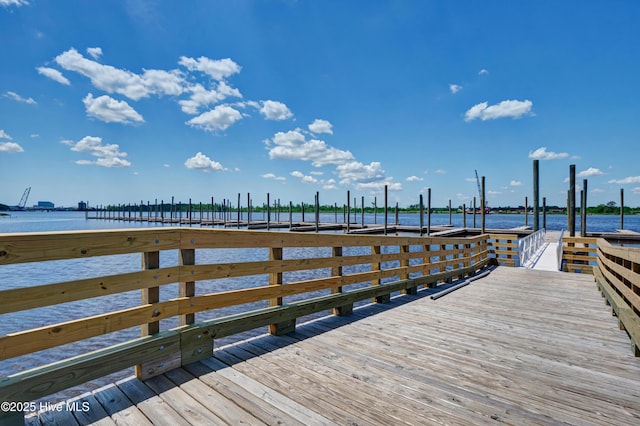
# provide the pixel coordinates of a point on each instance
(516, 345)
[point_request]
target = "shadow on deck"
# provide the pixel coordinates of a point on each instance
(518, 346)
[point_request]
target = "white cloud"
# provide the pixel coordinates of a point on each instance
(542, 154)
(163, 82)
(591, 171)
(357, 172)
(414, 179)
(321, 126)
(4, 135)
(303, 178)
(219, 118)
(515, 183)
(204, 163)
(455, 88)
(440, 171)
(218, 69)
(18, 98)
(10, 147)
(54, 75)
(104, 77)
(273, 176)
(292, 145)
(627, 180)
(200, 97)
(636, 190)
(470, 179)
(95, 52)
(597, 190)
(17, 3)
(378, 186)
(510, 108)
(329, 184)
(123, 82)
(483, 72)
(494, 192)
(109, 110)
(108, 155)
(274, 110)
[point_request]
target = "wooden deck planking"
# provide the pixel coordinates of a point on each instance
(518, 346)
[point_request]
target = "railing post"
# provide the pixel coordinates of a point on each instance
(275, 278)
(187, 288)
(336, 271)
(404, 275)
(443, 258)
(426, 261)
(151, 260)
(376, 266)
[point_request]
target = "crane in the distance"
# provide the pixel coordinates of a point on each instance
(23, 201)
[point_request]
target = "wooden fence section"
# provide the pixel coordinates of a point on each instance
(505, 248)
(579, 254)
(380, 266)
(617, 272)
(618, 277)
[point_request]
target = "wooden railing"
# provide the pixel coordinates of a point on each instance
(616, 269)
(337, 269)
(618, 276)
(504, 248)
(579, 254)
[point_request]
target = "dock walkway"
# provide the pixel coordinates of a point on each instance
(519, 346)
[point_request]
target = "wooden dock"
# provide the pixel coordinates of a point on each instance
(518, 346)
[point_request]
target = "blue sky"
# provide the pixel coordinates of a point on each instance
(122, 101)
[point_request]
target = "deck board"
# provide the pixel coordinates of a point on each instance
(518, 346)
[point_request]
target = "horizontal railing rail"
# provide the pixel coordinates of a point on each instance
(279, 277)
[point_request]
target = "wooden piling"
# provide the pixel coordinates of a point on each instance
(386, 209)
(349, 210)
(536, 195)
(572, 200)
(428, 212)
(464, 215)
(317, 211)
(268, 211)
(375, 210)
(474, 212)
(421, 215)
(483, 204)
(621, 208)
(583, 209)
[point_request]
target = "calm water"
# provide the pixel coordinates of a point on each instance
(24, 275)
